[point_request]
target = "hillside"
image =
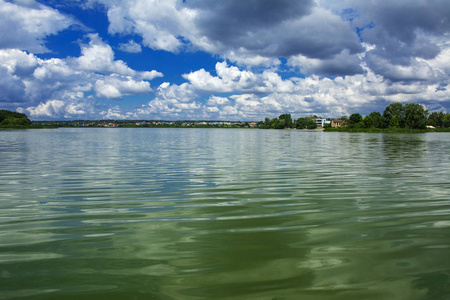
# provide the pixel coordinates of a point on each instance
(10, 119)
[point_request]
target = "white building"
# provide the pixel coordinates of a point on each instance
(322, 122)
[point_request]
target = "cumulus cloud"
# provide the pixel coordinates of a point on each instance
(232, 79)
(322, 35)
(48, 109)
(340, 64)
(404, 29)
(348, 56)
(246, 32)
(403, 33)
(131, 47)
(116, 87)
(26, 24)
(322, 96)
(217, 101)
(158, 22)
(97, 56)
(115, 113)
(150, 75)
(13, 89)
(67, 87)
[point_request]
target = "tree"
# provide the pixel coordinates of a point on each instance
(368, 121)
(446, 121)
(436, 119)
(355, 118)
(13, 119)
(415, 116)
(377, 119)
(344, 120)
(306, 123)
(394, 121)
(287, 120)
(278, 123)
(393, 111)
(355, 121)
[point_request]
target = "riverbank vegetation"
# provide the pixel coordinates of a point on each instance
(286, 121)
(12, 120)
(396, 117)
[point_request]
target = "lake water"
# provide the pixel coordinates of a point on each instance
(223, 214)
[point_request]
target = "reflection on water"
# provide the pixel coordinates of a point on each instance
(223, 214)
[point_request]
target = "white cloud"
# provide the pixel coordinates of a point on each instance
(150, 75)
(177, 93)
(244, 57)
(115, 113)
(98, 56)
(131, 47)
(217, 101)
(300, 28)
(231, 79)
(116, 87)
(25, 27)
(47, 109)
(408, 58)
(18, 62)
(158, 22)
(65, 87)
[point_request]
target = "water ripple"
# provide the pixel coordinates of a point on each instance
(209, 214)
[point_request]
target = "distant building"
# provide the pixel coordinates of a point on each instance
(322, 122)
(252, 124)
(337, 123)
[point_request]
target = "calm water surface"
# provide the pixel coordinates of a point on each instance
(223, 214)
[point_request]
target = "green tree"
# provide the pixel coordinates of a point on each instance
(355, 118)
(368, 121)
(415, 116)
(355, 121)
(13, 119)
(436, 119)
(394, 121)
(287, 120)
(278, 123)
(306, 123)
(345, 121)
(377, 119)
(446, 121)
(393, 111)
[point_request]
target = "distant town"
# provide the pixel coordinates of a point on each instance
(319, 123)
(143, 123)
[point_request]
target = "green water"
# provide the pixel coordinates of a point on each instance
(223, 214)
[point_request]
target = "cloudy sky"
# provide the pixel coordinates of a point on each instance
(221, 60)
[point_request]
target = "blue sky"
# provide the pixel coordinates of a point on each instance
(221, 60)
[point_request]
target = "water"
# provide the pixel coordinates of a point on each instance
(223, 214)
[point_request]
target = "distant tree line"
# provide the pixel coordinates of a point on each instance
(286, 121)
(439, 119)
(10, 119)
(395, 115)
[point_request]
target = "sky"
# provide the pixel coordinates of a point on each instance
(240, 60)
